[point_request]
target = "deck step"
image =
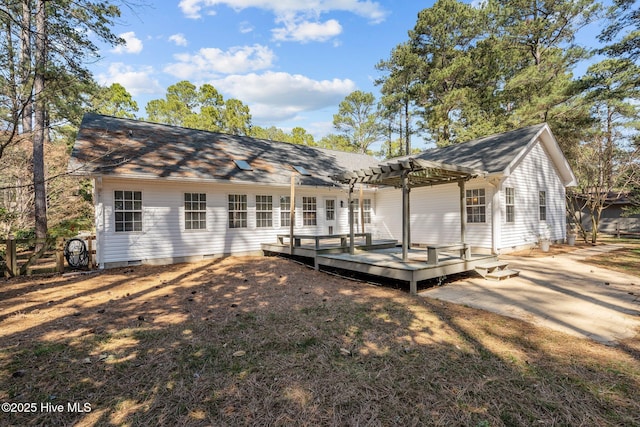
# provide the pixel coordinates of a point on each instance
(491, 267)
(501, 274)
(496, 270)
(496, 265)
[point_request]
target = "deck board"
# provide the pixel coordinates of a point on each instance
(384, 259)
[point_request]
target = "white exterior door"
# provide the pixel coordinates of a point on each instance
(330, 215)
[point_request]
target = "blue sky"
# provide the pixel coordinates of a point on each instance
(291, 61)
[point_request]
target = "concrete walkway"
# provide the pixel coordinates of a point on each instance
(558, 292)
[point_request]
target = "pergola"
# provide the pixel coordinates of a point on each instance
(409, 173)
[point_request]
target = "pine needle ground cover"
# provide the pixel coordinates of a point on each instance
(266, 341)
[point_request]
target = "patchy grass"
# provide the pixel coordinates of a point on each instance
(625, 260)
(265, 341)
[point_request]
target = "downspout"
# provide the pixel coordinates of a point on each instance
(406, 217)
(463, 212)
(292, 212)
(352, 249)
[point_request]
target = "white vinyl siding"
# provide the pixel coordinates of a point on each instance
(534, 174)
(163, 236)
(435, 215)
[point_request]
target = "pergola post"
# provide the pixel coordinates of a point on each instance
(463, 212)
(406, 174)
(352, 248)
(361, 208)
(292, 213)
(406, 217)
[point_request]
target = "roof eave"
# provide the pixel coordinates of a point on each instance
(147, 177)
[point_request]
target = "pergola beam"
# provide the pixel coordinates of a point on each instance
(406, 174)
(419, 173)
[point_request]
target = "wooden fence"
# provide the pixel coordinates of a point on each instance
(20, 257)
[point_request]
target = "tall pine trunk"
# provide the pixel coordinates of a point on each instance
(39, 188)
(25, 87)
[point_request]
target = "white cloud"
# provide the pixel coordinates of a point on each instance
(136, 81)
(279, 96)
(179, 39)
(306, 31)
(132, 44)
(211, 62)
(368, 9)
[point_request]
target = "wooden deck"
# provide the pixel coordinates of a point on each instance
(324, 245)
(383, 258)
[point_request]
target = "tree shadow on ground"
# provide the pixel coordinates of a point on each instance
(267, 341)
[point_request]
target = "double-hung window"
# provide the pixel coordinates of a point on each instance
(285, 211)
(309, 211)
(356, 211)
(330, 209)
(237, 211)
(128, 210)
(264, 211)
(195, 211)
(542, 197)
(366, 210)
(510, 201)
(476, 206)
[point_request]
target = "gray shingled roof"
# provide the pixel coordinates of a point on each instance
(491, 154)
(114, 146)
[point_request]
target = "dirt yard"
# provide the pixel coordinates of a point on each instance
(266, 341)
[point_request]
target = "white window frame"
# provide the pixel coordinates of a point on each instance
(237, 211)
(330, 211)
(510, 205)
(127, 209)
(285, 211)
(309, 210)
(476, 202)
(366, 209)
(356, 212)
(195, 211)
(542, 205)
(264, 211)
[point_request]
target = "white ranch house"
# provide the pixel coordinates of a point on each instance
(166, 194)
